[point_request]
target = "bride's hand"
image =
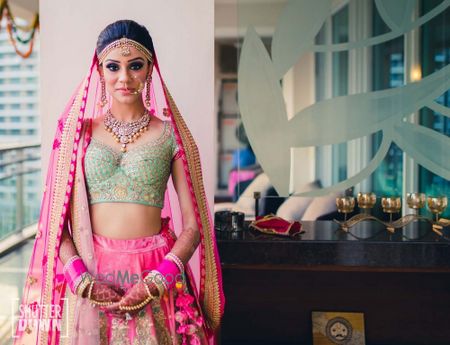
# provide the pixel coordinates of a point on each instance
(102, 292)
(134, 296)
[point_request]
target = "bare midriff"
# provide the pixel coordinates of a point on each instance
(125, 220)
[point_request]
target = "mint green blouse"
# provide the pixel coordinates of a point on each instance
(138, 175)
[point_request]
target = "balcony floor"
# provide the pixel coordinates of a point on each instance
(13, 269)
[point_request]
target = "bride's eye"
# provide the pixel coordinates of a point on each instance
(136, 66)
(112, 67)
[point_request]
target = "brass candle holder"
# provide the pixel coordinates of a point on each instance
(345, 205)
(391, 205)
(366, 201)
(416, 201)
(437, 205)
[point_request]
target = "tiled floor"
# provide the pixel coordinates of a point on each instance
(13, 269)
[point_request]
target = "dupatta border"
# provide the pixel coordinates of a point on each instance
(60, 199)
(211, 294)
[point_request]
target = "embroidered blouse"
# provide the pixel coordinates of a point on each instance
(138, 175)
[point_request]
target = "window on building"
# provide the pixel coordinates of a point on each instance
(435, 54)
(332, 83)
(388, 67)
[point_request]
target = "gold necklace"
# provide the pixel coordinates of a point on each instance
(126, 132)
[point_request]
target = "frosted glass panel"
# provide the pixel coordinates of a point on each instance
(348, 117)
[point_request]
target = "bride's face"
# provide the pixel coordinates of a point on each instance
(124, 75)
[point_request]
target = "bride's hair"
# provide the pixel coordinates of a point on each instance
(125, 28)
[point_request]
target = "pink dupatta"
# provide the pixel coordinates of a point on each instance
(65, 202)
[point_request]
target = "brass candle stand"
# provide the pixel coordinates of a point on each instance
(391, 205)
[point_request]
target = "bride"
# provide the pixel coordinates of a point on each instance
(107, 257)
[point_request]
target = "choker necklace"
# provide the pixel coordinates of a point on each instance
(126, 132)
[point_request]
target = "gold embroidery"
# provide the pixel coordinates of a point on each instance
(162, 332)
(144, 328)
(119, 332)
(56, 209)
(211, 303)
(77, 228)
(139, 175)
(103, 323)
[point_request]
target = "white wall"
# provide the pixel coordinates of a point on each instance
(183, 34)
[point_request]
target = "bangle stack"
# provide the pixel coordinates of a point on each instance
(73, 271)
(82, 283)
(157, 279)
(168, 268)
(69, 263)
(175, 259)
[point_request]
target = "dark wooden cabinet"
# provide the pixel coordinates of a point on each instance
(273, 284)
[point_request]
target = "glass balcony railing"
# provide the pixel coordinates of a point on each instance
(20, 187)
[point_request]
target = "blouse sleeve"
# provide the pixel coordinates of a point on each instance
(176, 152)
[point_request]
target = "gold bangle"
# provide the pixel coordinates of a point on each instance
(158, 279)
(148, 290)
(160, 288)
(85, 281)
(91, 285)
(176, 260)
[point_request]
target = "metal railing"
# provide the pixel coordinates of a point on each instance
(20, 188)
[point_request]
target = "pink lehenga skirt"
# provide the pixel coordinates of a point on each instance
(121, 262)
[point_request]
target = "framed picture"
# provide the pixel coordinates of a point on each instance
(341, 328)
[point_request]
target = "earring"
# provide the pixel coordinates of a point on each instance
(147, 93)
(166, 112)
(103, 99)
